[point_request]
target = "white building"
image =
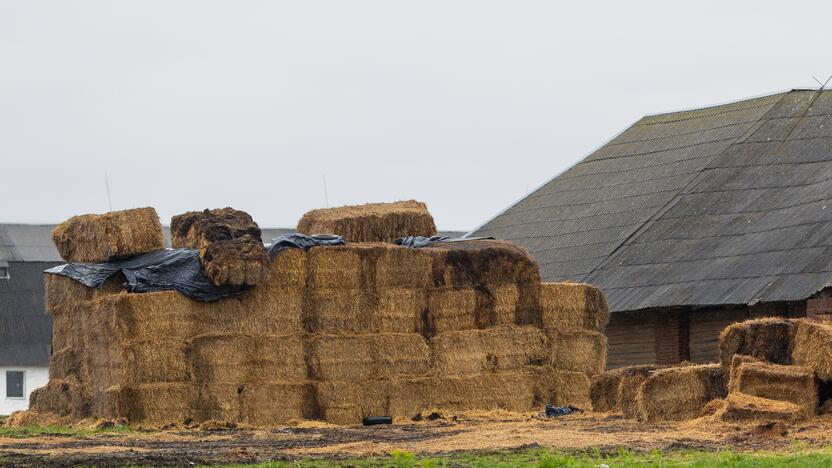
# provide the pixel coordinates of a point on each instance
(25, 327)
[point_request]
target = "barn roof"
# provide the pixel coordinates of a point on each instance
(729, 204)
(27, 243)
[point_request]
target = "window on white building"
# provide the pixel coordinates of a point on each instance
(14, 384)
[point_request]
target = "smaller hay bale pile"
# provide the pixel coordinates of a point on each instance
(373, 222)
(758, 388)
(229, 244)
(616, 389)
(776, 368)
(574, 317)
(97, 238)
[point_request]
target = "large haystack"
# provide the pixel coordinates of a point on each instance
(335, 333)
(95, 238)
(373, 222)
(679, 392)
(229, 244)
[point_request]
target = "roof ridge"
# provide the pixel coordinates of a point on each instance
(726, 103)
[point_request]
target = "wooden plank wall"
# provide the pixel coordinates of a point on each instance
(705, 327)
(632, 335)
(631, 339)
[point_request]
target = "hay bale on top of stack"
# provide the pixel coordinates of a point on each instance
(229, 244)
(336, 333)
(372, 222)
(96, 238)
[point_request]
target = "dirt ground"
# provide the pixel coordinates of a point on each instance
(468, 433)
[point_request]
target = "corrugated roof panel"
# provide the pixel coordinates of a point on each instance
(735, 208)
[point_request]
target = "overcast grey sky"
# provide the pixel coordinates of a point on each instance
(465, 105)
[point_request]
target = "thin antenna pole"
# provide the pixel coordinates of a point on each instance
(822, 85)
(107, 187)
(326, 196)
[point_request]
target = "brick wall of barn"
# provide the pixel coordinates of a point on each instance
(668, 336)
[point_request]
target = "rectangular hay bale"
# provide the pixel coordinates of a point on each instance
(679, 393)
(742, 407)
(769, 339)
(510, 390)
(337, 267)
(338, 310)
(152, 361)
(372, 222)
(605, 390)
(259, 404)
(573, 306)
(578, 350)
(399, 310)
(401, 267)
(561, 387)
(198, 229)
(506, 299)
(502, 348)
(95, 238)
(813, 347)
(155, 405)
(368, 357)
(244, 358)
(452, 309)
(777, 382)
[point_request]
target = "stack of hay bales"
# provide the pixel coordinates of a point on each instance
(229, 244)
(574, 317)
(776, 367)
(373, 222)
(335, 333)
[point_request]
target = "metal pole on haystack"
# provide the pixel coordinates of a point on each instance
(326, 196)
(107, 187)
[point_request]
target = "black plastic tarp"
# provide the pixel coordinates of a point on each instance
(416, 242)
(163, 270)
(297, 240)
(178, 269)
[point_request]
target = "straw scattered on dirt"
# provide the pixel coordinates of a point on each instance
(471, 432)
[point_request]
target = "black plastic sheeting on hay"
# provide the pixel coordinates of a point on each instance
(177, 269)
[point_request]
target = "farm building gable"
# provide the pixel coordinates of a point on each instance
(725, 205)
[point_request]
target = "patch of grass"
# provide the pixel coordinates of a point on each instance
(541, 458)
(56, 430)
